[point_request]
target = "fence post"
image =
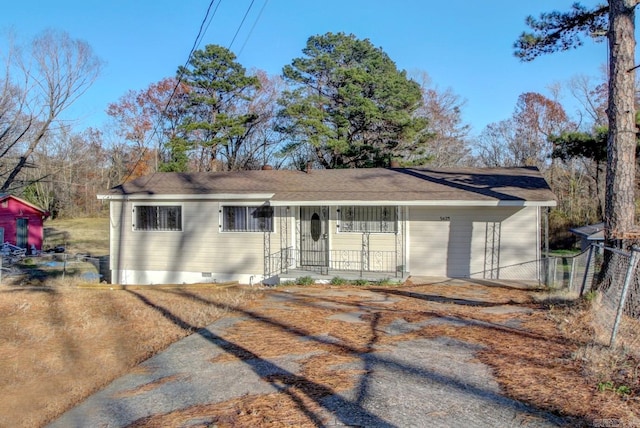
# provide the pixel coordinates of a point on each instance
(551, 271)
(547, 273)
(625, 288)
(586, 271)
(572, 273)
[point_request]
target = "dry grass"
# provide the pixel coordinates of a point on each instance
(267, 410)
(78, 235)
(60, 344)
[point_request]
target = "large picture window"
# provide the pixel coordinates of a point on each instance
(157, 217)
(247, 219)
(381, 219)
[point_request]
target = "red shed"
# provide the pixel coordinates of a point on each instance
(21, 222)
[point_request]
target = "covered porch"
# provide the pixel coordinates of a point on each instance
(325, 242)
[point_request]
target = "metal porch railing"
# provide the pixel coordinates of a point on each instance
(338, 260)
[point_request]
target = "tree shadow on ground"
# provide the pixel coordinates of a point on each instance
(282, 380)
(441, 299)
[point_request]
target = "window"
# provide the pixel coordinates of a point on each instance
(157, 217)
(247, 219)
(368, 219)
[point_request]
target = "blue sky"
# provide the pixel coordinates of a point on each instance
(464, 46)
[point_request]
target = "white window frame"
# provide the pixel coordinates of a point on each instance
(248, 214)
(353, 219)
(136, 227)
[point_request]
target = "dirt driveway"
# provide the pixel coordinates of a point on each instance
(333, 356)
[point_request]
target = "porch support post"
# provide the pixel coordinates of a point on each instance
(399, 242)
(267, 254)
(364, 263)
(284, 240)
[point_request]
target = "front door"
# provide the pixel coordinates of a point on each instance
(313, 236)
(22, 232)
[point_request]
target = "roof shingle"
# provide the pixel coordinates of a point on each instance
(373, 184)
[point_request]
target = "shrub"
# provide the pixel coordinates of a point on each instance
(336, 280)
(305, 280)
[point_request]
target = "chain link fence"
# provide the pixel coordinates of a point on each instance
(617, 305)
(611, 278)
(570, 273)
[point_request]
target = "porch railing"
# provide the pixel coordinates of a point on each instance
(363, 261)
(339, 260)
(281, 261)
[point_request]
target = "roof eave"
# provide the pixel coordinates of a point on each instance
(269, 196)
(185, 197)
(424, 203)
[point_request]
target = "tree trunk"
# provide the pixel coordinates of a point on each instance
(619, 198)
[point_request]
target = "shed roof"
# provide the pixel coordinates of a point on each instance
(489, 186)
(592, 232)
(4, 196)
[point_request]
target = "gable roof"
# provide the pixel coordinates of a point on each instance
(412, 186)
(4, 196)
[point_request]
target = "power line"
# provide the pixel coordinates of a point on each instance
(202, 33)
(204, 25)
(241, 23)
(252, 27)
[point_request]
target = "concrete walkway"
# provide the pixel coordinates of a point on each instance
(415, 383)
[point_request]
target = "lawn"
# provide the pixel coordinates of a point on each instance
(78, 235)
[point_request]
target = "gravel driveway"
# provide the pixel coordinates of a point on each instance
(398, 380)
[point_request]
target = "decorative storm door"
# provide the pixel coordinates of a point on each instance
(313, 236)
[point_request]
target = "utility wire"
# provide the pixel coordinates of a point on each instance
(204, 25)
(252, 27)
(241, 23)
(201, 33)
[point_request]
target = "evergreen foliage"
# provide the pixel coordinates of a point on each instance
(349, 104)
(218, 85)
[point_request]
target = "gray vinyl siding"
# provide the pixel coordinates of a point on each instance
(428, 241)
(451, 242)
(201, 246)
(461, 242)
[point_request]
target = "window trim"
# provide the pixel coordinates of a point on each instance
(134, 214)
(394, 221)
(246, 207)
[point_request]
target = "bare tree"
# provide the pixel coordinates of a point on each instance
(448, 145)
(69, 170)
(498, 145)
(592, 97)
(38, 85)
